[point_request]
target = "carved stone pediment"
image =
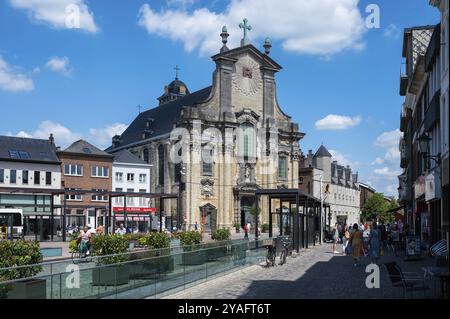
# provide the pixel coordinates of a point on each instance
(247, 115)
(207, 187)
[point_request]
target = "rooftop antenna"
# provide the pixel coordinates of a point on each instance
(139, 107)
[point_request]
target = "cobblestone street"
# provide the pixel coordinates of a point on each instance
(314, 274)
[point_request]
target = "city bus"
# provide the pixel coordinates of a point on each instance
(11, 223)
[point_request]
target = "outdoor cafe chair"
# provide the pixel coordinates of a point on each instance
(409, 281)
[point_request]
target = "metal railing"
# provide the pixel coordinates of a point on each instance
(150, 274)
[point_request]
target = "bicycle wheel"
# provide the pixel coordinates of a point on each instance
(269, 258)
(282, 257)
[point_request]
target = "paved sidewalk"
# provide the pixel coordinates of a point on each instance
(315, 274)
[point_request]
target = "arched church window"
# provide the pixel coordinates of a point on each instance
(146, 158)
(248, 145)
(178, 167)
(161, 160)
(282, 167)
(207, 160)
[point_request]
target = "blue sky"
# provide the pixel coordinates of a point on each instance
(88, 82)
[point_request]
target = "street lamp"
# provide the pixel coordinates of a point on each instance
(423, 144)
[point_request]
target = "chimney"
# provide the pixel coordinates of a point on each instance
(115, 141)
(51, 139)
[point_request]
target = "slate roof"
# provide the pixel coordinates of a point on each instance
(36, 150)
(125, 156)
(85, 148)
(322, 152)
(161, 118)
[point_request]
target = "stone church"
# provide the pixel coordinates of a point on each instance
(233, 138)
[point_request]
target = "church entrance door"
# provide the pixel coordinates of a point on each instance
(208, 219)
(247, 211)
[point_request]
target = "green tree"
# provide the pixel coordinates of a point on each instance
(389, 217)
(375, 205)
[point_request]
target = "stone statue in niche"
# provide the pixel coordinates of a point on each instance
(247, 174)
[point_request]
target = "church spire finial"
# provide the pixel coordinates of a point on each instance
(246, 27)
(176, 72)
(224, 36)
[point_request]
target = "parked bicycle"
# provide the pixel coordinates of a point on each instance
(284, 252)
(80, 254)
(271, 252)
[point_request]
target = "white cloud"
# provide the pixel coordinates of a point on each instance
(60, 65)
(322, 27)
(103, 136)
(59, 14)
(13, 81)
(180, 3)
(392, 190)
(342, 159)
(389, 142)
(24, 134)
(337, 122)
(64, 136)
(392, 31)
(386, 178)
(378, 161)
(387, 172)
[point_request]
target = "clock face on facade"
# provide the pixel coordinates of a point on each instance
(247, 77)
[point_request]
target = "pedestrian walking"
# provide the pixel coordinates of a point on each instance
(374, 244)
(335, 238)
(196, 225)
(345, 238)
(246, 231)
(357, 243)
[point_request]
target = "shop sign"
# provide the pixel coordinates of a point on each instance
(419, 186)
(429, 187)
(135, 209)
(432, 187)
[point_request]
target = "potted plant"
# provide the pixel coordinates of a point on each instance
(221, 236)
(192, 255)
(133, 239)
(110, 271)
(265, 228)
(237, 226)
(156, 259)
(21, 253)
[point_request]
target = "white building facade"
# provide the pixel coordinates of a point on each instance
(131, 174)
(30, 177)
(338, 185)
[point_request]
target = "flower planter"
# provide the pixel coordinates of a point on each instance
(151, 268)
(111, 275)
(216, 253)
(28, 289)
(132, 244)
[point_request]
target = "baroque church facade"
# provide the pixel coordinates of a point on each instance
(217, 146)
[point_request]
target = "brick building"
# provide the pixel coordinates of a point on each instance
(86, 167)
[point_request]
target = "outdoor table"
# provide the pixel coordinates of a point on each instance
(441, 273)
